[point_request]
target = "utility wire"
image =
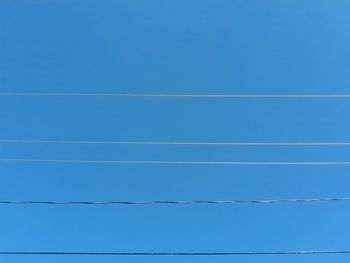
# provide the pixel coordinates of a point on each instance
(233, 96)
(175, 253)
(177, 143)
(187, 202)
(166, 162)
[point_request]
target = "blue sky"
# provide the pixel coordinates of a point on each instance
(196, 46)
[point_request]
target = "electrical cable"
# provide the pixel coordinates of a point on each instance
(184, 202)
(146, 162)
(232, 96)
(176, 143)
(253, 253)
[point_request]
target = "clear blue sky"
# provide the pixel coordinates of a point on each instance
(177, 46)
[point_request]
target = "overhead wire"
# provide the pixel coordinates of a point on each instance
(250, 253)
(145, 162)
(238, 96)
(182, 202)
(164, 95)
(16, 141)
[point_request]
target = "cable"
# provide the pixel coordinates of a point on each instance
(166, 162)
(178, 143)
(189, 202)
(232, 96)
(175, 253)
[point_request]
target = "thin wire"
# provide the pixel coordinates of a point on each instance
(238, 96)
(188, 202)
(178, 143)
(175, 253)
(166, 162)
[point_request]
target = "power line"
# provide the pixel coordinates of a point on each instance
(177, 143)
(166, 162)
(175, 253)
(232, 96)
(187, 202)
